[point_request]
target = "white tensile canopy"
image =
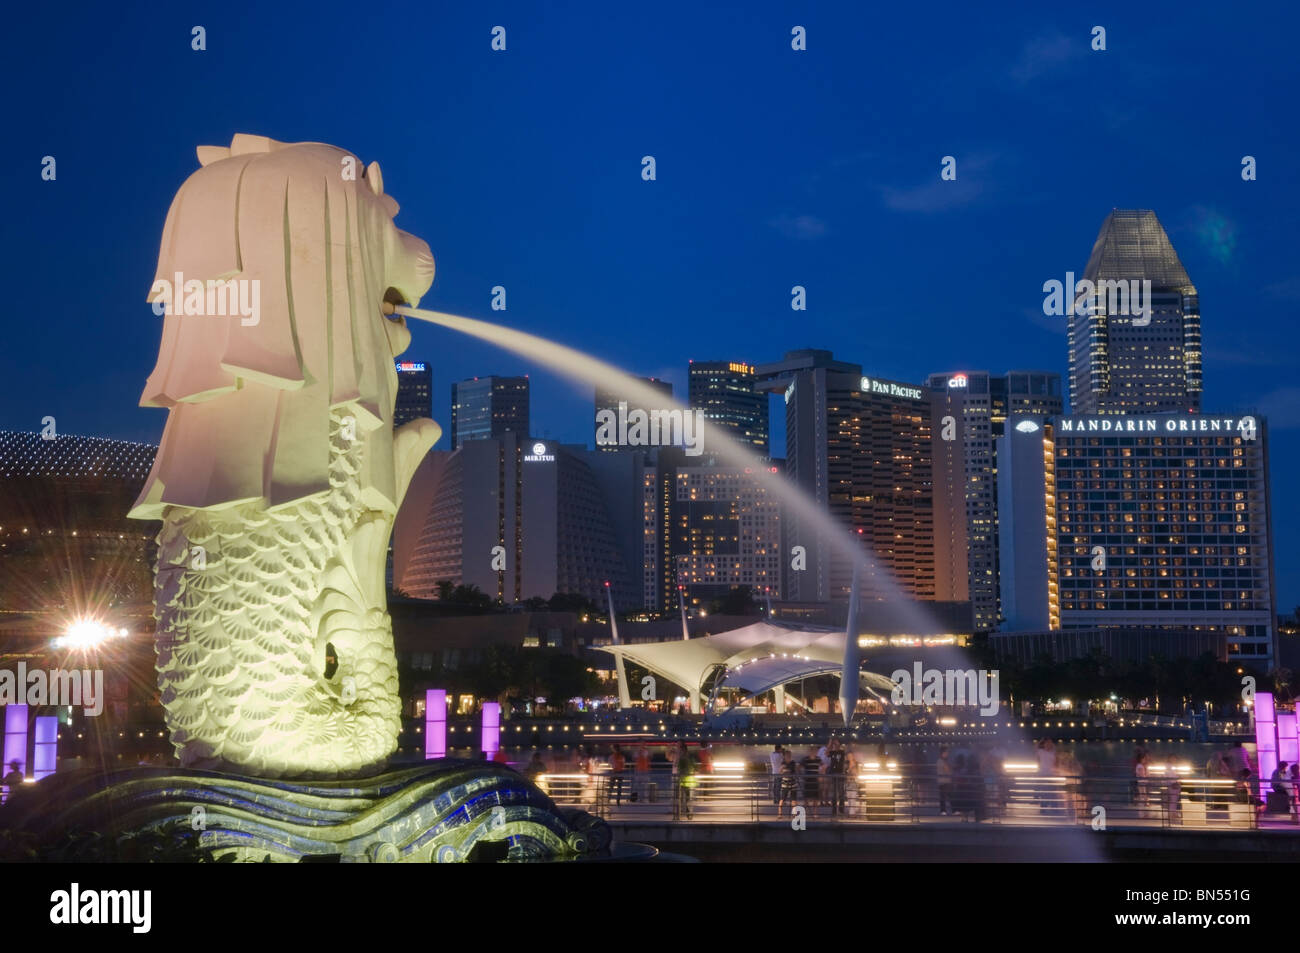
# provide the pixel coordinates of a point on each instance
(759, 657)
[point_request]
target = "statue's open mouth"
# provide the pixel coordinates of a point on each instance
(392, 298)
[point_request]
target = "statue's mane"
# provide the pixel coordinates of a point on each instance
(249, 403)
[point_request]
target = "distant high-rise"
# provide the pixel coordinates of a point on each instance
(867, 450)
(1155, 522)
(515, 516)
(1123, 361)
(724, 392)
(982, 402)
(707, 528)
(488, 407)
(414, 392)
(609, 399)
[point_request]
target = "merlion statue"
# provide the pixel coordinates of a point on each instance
(279, 474)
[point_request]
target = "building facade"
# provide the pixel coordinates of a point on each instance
(981, 402)
(1123, 361)
(516, 517)
(709, 529)
(724, 392)
(872, 452)
(608, 399)
(1153, 521)
(414, 392)
(485, 407)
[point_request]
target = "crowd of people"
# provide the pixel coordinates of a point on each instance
(1231, 765)
(967, 781)
(818, 779)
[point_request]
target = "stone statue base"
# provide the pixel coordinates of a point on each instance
(439, 811)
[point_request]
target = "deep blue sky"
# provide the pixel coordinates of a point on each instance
(775, 168)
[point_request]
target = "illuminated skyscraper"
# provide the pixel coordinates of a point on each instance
(869, 450)
(981, 402)
(414, 392)
(708, 528)
(1151, 522)
(1122, 361)
(608, 399)
(724, 392)
(488, 407)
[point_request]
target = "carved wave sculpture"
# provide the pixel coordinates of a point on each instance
(436, 812)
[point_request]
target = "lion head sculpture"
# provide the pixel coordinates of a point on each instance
(250, 401)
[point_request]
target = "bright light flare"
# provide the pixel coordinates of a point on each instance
(87, 634)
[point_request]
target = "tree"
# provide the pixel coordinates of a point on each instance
(572, 602)
(739, 601)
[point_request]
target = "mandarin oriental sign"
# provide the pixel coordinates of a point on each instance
(1245, 426)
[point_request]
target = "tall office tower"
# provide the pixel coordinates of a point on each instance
(608, 399)
(1152, 522)
(414, 392)
(488, 407)
(724, 391)
(708, 528)
(1122, 361)
(869, 450)
(981, 402)
(516, 517)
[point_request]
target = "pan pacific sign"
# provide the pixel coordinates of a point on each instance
(872, 385)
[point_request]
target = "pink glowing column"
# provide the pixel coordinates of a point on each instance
(1266, 733)
(435, 723)
(15, 735)
(1288, 749)
(45, 758)
(15, 738)
(491, 729)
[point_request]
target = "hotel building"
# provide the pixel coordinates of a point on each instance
(515, 516)
(709, 529)
(1152, 522)
(871, 452)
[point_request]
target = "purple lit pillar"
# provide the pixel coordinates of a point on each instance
(1288, 749)
(1265, 733)
(46, 756)
(16, 735)
(15, 738)
(435, 723)
(491, 729)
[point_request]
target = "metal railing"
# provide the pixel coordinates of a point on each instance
(1019, 795)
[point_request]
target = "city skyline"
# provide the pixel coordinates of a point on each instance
(756, 192)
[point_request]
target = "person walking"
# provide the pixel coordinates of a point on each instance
(775, 760)
(789, 783)
(943, 771)
(1173, 792)
(1140, 775)
(810, 781)
(835, 758)
(686, 780)
(617, 767)
(13, 781)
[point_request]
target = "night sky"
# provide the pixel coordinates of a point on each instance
(774, 168)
